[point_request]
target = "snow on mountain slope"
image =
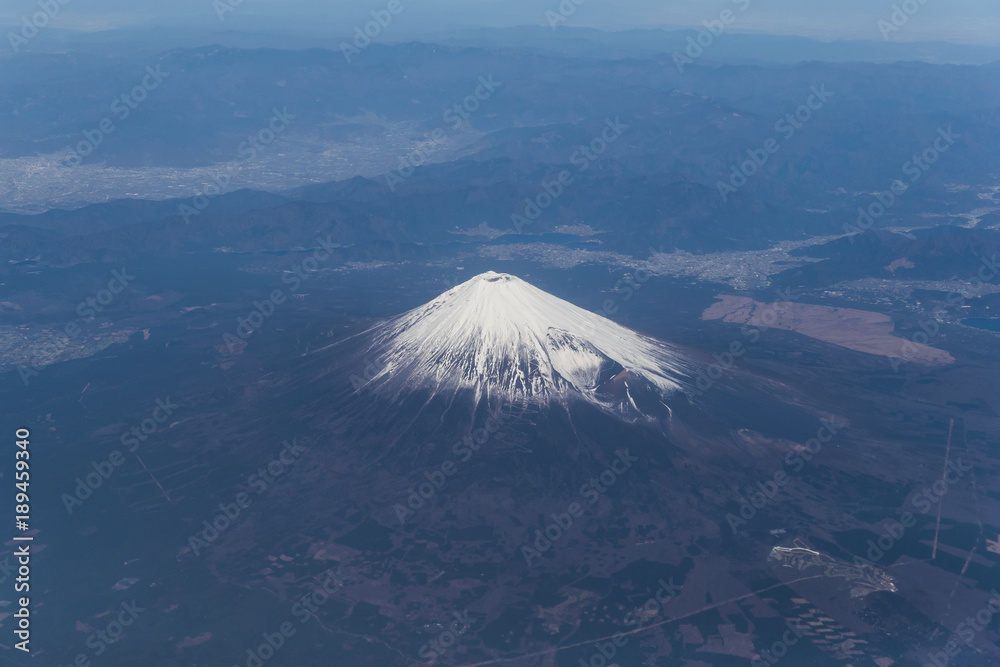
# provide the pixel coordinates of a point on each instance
(504, 338)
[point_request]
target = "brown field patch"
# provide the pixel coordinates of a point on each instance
(859, 330)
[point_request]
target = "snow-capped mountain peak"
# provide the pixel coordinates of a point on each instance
(501, 337)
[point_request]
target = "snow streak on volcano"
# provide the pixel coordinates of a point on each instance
(505, 339)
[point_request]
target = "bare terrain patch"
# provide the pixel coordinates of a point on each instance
(859, 330)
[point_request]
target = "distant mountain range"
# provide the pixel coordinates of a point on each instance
(712, 158)
(577, 42)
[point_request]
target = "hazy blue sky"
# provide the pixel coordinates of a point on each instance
(976, 21)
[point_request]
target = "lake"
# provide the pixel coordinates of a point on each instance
(989, 325)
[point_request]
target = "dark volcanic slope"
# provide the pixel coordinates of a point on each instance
(404, 566)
